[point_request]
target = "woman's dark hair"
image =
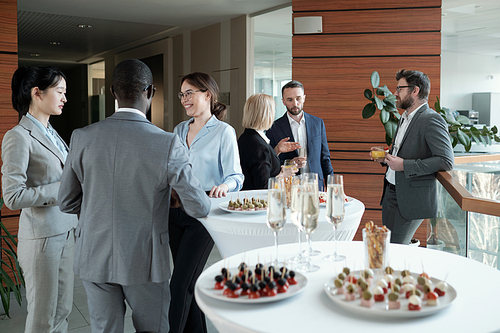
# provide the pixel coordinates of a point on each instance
(205, 82)
(26, 78)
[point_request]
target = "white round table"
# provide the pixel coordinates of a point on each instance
(236, 233)
(475, 309)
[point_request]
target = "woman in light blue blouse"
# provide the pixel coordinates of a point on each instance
(213, 152)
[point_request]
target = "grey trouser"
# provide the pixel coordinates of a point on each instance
(47, 265)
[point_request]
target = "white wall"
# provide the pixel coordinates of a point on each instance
(463, 74)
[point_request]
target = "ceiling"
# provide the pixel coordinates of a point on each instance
(49, 30)
(76, 31)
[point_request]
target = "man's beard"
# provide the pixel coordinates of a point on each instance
(294, 112)
(405, 103)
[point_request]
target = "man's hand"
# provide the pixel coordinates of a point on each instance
(219, 191)
(394, 162)
(284, 147)
(300, 161)
(175, 201)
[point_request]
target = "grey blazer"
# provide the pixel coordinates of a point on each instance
(426, 149)
(118, 178)
(31, 171)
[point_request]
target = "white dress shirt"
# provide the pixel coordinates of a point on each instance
(403, 126)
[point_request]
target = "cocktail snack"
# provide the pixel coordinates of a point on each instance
(376, 241)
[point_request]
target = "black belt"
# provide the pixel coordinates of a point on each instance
(392, 187)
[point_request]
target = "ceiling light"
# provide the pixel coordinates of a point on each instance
(83, 26)
(35, 54)
(54, 43)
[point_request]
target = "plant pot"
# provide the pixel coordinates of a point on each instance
(439, 246)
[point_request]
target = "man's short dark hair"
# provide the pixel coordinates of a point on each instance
(130, 78)
(416, 79)
(292, 84)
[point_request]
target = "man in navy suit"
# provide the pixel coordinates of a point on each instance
(305, 130)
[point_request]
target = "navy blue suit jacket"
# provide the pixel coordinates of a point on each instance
(318, 154)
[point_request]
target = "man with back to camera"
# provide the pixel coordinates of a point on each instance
(305, 130)
(118, 178)
(420, 148)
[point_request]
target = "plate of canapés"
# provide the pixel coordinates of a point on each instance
(389, 293)
(322, 199)
(254, 205)
(260, 285)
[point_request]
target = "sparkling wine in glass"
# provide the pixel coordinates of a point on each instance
(296, 215)
(312, 177)
(335, 209)
(276, 210)
(310, 212)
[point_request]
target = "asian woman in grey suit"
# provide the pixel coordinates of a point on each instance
(33, 157)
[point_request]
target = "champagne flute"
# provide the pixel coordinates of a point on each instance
(276, 210)
(310, 212)
(335, 209)
(313, 177)
(289, 164)
(295, 216)
(303, 153)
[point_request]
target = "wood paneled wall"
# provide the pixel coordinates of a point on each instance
(358, 38)
(8, 64)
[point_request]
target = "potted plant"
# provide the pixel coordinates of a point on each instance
(381, 98)
(9, 263)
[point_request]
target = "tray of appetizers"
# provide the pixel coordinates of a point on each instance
(247, 206)
(365, 293)
(242, 285)
(322, 199)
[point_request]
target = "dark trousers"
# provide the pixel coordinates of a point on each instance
(191, 245)
(402, 230)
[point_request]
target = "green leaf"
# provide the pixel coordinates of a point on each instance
(497, 139)
(378, 101)
(384, 91)
(369, 110)
(454, 141)
(368, 94)
(388, 139)
(384, 116)
(463, 120)
(437, 105)
(375, 79)
(463, 138)
(390, 128)
(450, 119)
(392, 98)
(494, 130)
(488, 140)
(396, 115)
(483, 140)
(390, 105)
(475, 132)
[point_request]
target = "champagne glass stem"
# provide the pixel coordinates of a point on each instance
(335, 240)
(308, 238)
(276, 246)
(300, 243)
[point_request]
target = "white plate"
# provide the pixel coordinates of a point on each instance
(207, 283)
(223, 206)
(349, 199)
(380, 308)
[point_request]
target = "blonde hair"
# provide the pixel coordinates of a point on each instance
(258, 112)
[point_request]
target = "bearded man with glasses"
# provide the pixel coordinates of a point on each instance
(420, 148)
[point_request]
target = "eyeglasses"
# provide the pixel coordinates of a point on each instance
(153, 89)
(398, 88)
(187, 94)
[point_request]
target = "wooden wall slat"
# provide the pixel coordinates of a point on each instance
(390, 20)
(361, 45)
(8, 26)
(316, 5)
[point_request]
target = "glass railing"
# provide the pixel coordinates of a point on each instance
(469, 211)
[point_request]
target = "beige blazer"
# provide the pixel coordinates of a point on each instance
(31, 174)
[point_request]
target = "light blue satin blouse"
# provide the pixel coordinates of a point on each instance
(214, 154)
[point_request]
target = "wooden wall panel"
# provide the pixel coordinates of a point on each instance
(316, 5)
(364, 45)
(358, 38)
(390, 20)
(8, 26)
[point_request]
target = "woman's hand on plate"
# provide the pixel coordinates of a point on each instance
(219, 191)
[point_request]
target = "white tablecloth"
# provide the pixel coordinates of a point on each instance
(235, 233)
(475, 308)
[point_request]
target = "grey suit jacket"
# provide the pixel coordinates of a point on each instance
(118, 178)
(31, 171)
(426, 149)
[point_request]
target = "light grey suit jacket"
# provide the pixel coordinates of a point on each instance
(118, 178)
(31, 171)
(426, 149)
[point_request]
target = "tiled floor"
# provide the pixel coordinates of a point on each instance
(79, 320)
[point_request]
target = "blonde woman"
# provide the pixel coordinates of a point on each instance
(258, 159)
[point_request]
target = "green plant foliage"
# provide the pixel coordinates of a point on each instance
(459, 133)
(382, 99)
(9, 263)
